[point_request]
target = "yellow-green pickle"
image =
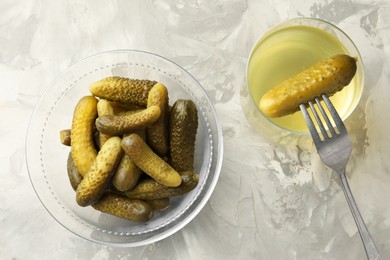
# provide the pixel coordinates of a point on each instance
(325, 77)
(65, 137)
(183, 128)
(150, 189)
(82, 145)
(129, 123)
(99, 175)
(123, 90)
(74, 176)
(120, 206)
(149, 162)
(157, 133)
(126, 175)
(104, 108)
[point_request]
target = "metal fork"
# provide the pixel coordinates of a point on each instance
(334, 147)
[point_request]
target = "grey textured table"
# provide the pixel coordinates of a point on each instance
(273, 200)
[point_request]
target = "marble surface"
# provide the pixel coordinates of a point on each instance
(273, 200)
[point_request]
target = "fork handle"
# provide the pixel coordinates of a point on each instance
(369, 244)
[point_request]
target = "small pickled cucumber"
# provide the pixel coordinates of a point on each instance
(149, 162)
(65, 137)
(123, 207)
(74, 176)
(98, 177)
(150, 189)
(123, 90)
(183, 128)
(159, 204)
(83, 149)
(158, 132)
(118, 124)
(325, 77)
(104, 108)
(126, 175)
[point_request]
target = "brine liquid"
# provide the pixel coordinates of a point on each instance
(287, 52)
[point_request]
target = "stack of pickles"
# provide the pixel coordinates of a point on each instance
(131, 151)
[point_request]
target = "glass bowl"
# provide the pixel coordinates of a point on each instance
(46, 156)
(285, 50)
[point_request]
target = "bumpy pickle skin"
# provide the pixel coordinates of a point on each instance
(149, 162)
(104, 108)
(98, 177)
(150, 189)
(327, 77)
(183, 128)
(73, 174)
(123, 124)
(65, 137)
(123, 90)
(157, 134)
(123, 207)
(82, 145)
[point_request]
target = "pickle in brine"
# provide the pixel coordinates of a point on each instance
(325, 77)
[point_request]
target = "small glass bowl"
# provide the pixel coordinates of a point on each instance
(271, 128)
(46, 156)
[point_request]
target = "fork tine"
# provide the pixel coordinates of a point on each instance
(336, 118)
(319, 122)
(309, 122)
(326, 118)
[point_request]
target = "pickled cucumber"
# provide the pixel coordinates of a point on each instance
(123, 207)
(157, 134)
(82, 145)
(123, 90)
(98, 177)
(126, 175)
(65, 137)
(183, 128)
(74, 176)
(118, 124)
(325, 77)
(150, 189)
(149, 162)
(104, 108)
